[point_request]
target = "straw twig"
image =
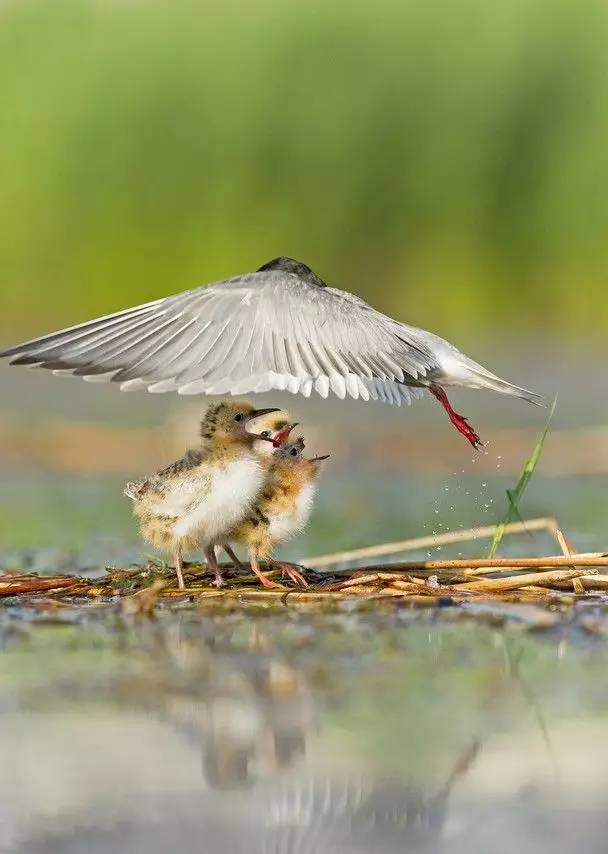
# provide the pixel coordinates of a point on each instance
(495, 564)
(546, 523)
(514, 582)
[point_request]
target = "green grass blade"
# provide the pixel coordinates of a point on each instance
(514, 495)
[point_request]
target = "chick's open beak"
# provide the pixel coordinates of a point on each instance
(257, 413)
(319, 459)
(283, 435)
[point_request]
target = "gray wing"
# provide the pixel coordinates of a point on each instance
(252, 333)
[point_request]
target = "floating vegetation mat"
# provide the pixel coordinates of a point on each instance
(556, 581)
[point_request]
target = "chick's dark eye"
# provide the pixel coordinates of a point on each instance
(239, 417)
(265, 434)
(293, 452)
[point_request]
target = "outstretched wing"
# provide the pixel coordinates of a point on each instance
(252, 333)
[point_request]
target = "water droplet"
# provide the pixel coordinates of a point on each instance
(484, 485)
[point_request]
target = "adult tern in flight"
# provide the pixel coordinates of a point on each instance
(279, 328)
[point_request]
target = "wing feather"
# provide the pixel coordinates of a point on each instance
(259, 331)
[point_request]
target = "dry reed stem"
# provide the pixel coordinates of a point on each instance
(484, 570)
(497, 585)
(493, 564)
(33, 584)
(567, 549)
(548, 523)
(425, 589)
(587, 582)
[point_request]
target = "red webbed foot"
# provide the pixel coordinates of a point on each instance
(459, 421)
(292, 571)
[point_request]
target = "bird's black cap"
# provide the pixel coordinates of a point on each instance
(297, 268)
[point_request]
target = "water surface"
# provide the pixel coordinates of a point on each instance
(266, 730)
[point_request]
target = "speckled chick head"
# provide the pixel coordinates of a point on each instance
(291, 455)
(229, 419)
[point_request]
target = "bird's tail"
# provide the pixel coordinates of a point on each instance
(479, 377)
(132, 490)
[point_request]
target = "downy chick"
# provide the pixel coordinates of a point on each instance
(275, 425)
(194, 502)
(282, 510)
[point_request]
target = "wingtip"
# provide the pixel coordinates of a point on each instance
(536, 399)
(10, 353)
(4, 351)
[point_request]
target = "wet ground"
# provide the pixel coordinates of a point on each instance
(276, 730)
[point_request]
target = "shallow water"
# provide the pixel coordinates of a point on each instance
(297, 731)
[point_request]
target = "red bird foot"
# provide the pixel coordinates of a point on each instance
(459, 421)
(290, 569)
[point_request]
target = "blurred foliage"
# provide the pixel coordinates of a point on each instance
(447, 161)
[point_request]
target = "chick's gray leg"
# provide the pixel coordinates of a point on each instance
(212, 564)
(179, 566)
(234, 558)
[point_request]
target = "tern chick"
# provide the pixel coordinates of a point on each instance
(275, 425)
(282, 510)
(194, 502)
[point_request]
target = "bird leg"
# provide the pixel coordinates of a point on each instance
(266, 582)
(179, 568)
(459, 421)
(212, 564)
(291, 570)
(234, 558)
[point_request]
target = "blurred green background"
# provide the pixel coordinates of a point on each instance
(446, 160)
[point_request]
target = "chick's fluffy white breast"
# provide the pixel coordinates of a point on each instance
(283, 526)
(232, 490)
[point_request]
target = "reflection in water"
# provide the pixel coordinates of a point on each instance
(248, 709)
(299, 733)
